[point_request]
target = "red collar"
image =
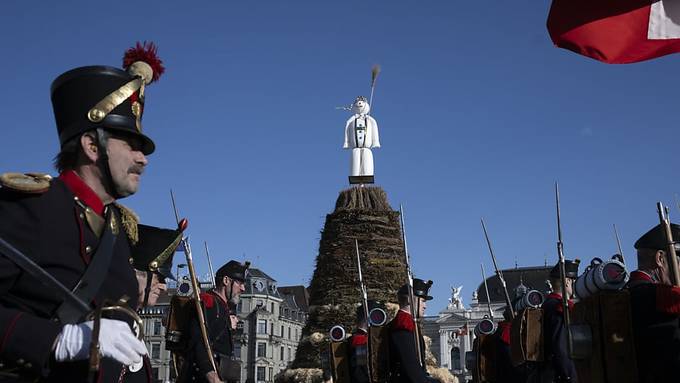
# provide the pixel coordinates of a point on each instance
(640, 276)
(81, 190)
(505, 328)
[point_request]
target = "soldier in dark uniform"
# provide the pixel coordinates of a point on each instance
(405, 367)
(72, 228)
(558, 366)
(505, 371)
(655, 309)
(220, 315)
(152, 261)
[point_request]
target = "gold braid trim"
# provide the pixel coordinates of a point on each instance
(130, 221)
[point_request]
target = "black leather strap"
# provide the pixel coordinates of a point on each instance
(88, 286)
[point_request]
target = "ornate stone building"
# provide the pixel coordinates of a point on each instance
(270, 326)
(452, 330)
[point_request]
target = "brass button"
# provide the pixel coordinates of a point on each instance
(95, 115)
(75, 198)
(88, 249)
(87, 209)
(82, 216)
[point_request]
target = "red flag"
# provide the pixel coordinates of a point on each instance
(616, 31)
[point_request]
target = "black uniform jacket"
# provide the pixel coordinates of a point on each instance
(404, 364)
(197, 363)
(555, 341)
(656, 328)
(51, 229)
(505, 371)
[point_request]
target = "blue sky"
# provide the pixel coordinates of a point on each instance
(479, 115)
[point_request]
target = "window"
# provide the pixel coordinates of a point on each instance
(239, 307)
(280, 311)
(281, 331)
(297, 333)
(157, 327)
(261, 326)
(154, 373)
(272, 306)
(290, 351)
(271, 328)
(288, 332)
(282, 350)
(271, 374)
(260, 374)
(261, 350)
(155, 350)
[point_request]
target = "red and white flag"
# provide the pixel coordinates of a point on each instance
(616, 31)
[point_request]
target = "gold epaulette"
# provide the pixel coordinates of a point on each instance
(130, 221)
(32, 183)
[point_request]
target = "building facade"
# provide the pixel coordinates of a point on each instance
(271, 319)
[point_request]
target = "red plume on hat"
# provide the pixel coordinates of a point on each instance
(146, 53)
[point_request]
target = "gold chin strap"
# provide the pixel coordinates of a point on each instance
(117, 97)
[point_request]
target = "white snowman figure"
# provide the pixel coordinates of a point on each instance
(361, 135)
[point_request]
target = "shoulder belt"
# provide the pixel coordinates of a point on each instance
(88, 285)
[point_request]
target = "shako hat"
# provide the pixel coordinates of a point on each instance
(421, 289)
(655, 238)
(154, 250)
(92, 97)
(234, 270)
(570, 269)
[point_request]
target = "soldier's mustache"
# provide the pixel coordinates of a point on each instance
(137, 169)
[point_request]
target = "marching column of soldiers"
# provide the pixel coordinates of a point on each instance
(76, 265)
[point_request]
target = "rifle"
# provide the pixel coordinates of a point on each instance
(499, 273)
(618, 245)
(202, 324)
(488, 299)
(411, 298)
(671, 258)
(212, 273)
(364, 299)
(563, 273)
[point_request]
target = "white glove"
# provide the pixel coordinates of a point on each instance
(116, 341)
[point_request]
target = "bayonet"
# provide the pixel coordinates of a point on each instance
(563, 272)
(499, 273)
(196, 287)
(671, 253)
(618, 245)
(486, 288)
(411, 298)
